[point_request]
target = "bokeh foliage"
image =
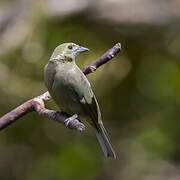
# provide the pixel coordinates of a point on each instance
(138, 92)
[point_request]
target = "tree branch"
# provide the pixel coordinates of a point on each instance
(38, 103)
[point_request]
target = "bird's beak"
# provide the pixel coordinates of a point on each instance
(80, 49)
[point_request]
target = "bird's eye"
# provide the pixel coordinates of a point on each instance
(70, 47)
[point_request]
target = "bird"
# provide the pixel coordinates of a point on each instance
(72, 92)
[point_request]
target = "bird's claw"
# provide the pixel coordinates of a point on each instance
(73, 123)
(68, 120)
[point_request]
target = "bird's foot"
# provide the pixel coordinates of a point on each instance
(68, 120)
(73, 123)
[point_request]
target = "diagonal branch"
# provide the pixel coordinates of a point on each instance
(38, 103)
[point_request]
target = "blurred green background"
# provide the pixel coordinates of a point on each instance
(138, 91)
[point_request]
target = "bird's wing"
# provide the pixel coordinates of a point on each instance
(88, 101)
(90, 105)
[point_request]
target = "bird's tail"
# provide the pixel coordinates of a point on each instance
(104, 142)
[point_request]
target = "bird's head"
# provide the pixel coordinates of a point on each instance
(67, 52)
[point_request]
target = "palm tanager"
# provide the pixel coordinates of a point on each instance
(72, 92)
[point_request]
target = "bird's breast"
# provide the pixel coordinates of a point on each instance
(64, 90)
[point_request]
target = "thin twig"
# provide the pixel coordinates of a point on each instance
(108, 55)
(38, 103)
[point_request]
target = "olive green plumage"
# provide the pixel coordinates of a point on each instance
(72, 92)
